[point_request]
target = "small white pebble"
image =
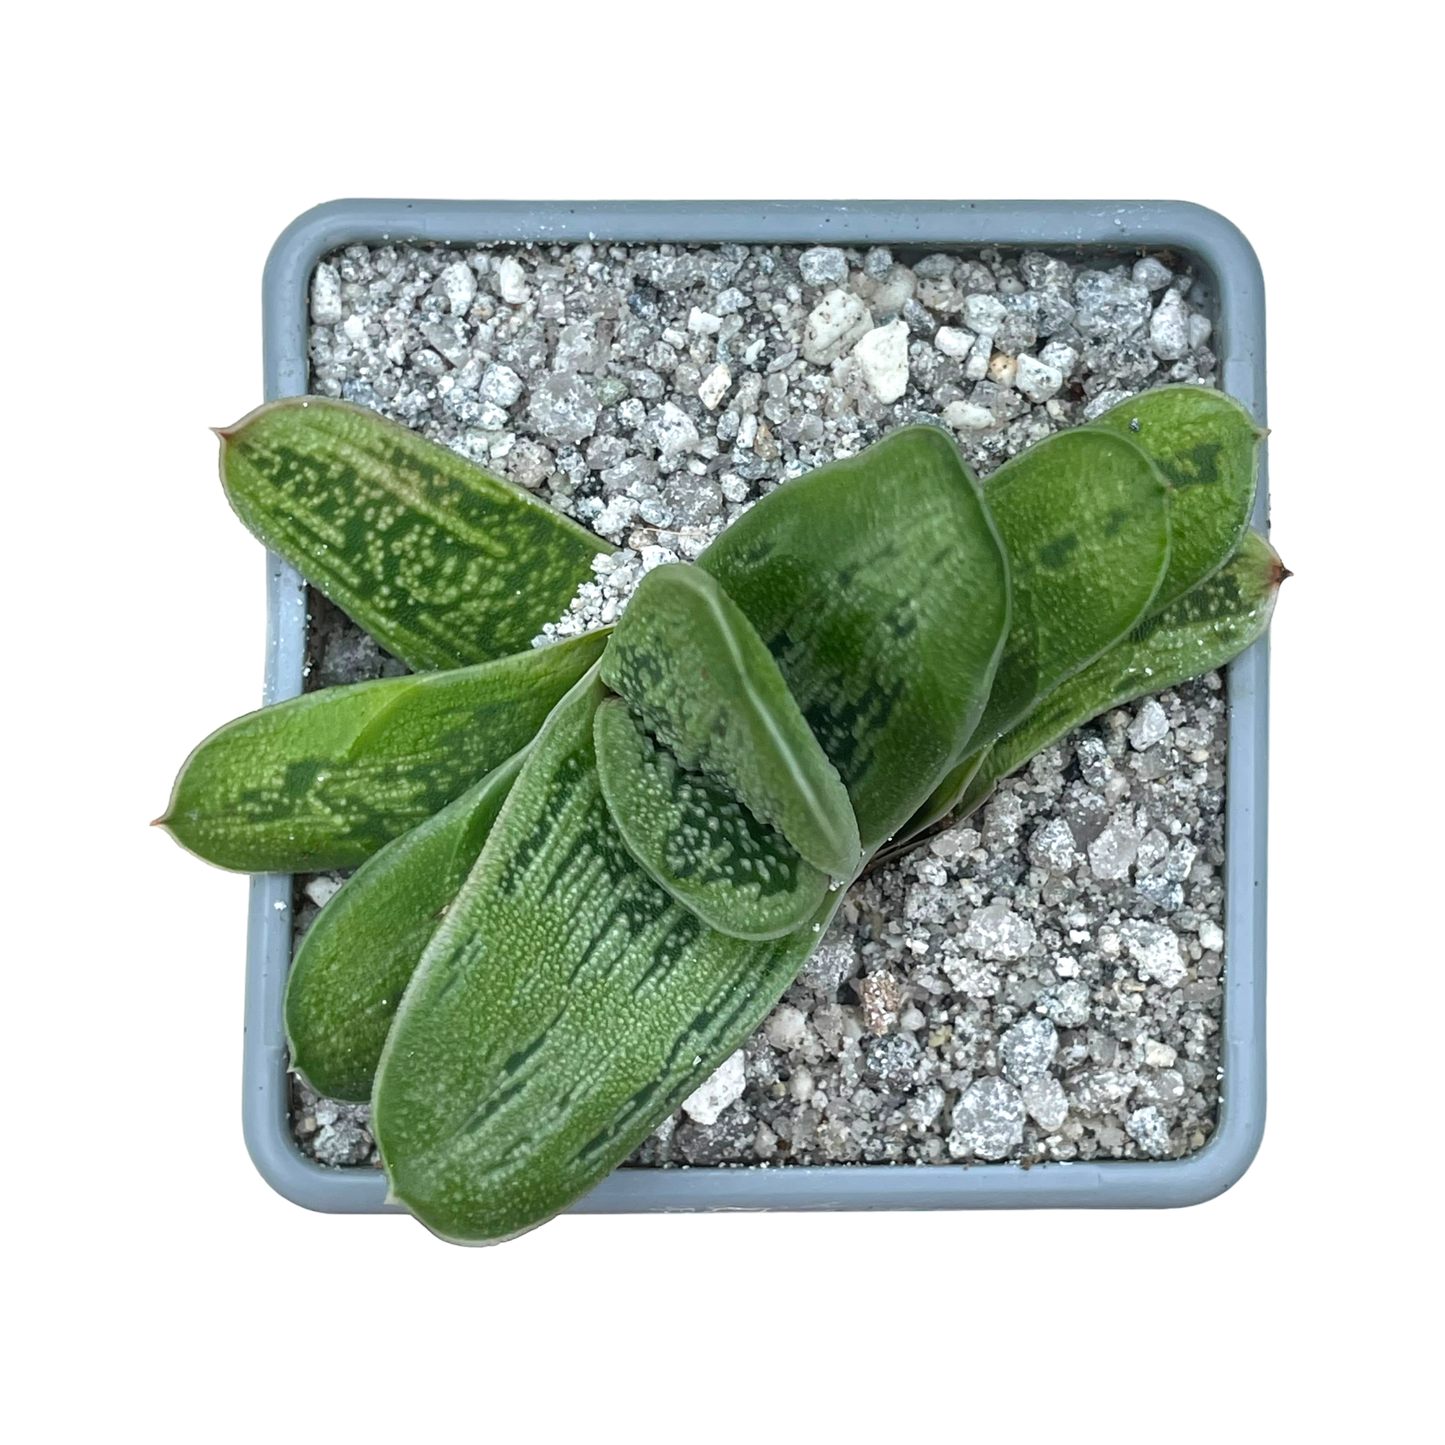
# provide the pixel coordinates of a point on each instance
(1169, 328)
(321, 890)
(984, 313)
(512, 282)
(952, 341)
(976, 367)
(882, 357)
(967, 416)
(706, 1102)
(1150, 726)
(1151, 273)
(656, 557)
(786, 1027)
(326, 295)
(715, 386)
(1157, 1055)
(459, 286)
(703, 322)
(1036, 379)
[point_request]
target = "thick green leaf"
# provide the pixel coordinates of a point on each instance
(443, 563)
(1204, 629)
(1207, 446)
(1085, 518)
(944, 799)
(695, 838)
(349, 974)
(881, 587)
(699, 677)
(565, 1006)
(322, 781)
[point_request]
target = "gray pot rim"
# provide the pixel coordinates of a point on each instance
(1232, 269)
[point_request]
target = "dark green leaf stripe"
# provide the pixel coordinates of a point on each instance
(1085, 518)
(322, 781)
(348, 975)
(1207, 446)
(695, 838)
(698, 675)
(881, 587)
(443, 563)
(564, 1007)
(1204, 629)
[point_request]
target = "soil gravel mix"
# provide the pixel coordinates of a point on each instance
(1041, 982)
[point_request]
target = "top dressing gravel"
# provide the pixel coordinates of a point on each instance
(1041, 982)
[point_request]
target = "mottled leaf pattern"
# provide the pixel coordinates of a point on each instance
(565, 1005)
(356, 959)
(694, 837)
(581, 935)
(1207, 447)
(881, 587)
(697, 674)
(1202, 630)
(322, 781)
(443, 563)
(1085, 518)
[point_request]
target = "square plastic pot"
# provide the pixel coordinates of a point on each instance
(1109, 231)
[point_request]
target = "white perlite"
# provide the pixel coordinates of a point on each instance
(836, 323)
(967, 416)
(326, 296)
(1037, 379)
(722, 1087)
(950, 341)
(882, 357)
(714, 386)
(955, 948)
(512, 281)
(984, 314)
(1150, 726)
(459, 285)
(1169, 328)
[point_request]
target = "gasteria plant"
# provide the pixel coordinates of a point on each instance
(589, 870)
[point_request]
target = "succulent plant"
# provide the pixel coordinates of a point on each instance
(588, 870)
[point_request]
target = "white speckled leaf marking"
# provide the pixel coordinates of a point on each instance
(565, 1005)
(1207, 447)
(324, 780)
(695, 838)
(881, 587)
(354, 964)
(699, 677)
(443, 563)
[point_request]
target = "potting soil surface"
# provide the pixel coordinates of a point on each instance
(1040, 982)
